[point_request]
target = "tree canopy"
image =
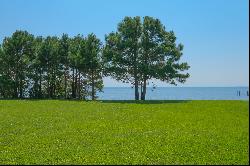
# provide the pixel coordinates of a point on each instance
(38, 67)
(142, 50)
(73, 67)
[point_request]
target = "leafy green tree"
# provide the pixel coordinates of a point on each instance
(76, 45)
(46, 67)
(140, 51)
(92, 65)
(52, 72)
(17, 50)
(35, 70)
(160, 55)
(6, 83)
(3, 78)
(64, 45)
(86, 68)
(121, 52)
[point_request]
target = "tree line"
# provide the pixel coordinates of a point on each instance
(73, 67)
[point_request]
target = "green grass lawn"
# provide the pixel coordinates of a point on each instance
(108, 132)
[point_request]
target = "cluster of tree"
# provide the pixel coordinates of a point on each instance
(52, 67)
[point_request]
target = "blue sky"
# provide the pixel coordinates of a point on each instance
(215, 33)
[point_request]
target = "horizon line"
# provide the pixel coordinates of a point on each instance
(180, 86)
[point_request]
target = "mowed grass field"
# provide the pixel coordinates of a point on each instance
(124, 132)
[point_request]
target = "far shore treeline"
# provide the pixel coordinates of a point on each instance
(73, 67)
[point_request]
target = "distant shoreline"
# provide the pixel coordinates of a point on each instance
(182, 87)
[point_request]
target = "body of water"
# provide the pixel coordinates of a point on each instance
(177, 93)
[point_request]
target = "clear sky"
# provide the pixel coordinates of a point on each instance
(215, 33)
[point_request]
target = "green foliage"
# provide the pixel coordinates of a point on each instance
(51, 64)
(140, 51)
(64, 47)
(92, 63)
(5, 82)
(121, 52)
(53, 67)
(36, 70)
(17, 50)
(124, 132)
(79, 57)
(50, 67)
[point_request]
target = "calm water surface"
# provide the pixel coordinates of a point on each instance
(177, 93)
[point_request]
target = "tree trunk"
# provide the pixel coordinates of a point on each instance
(40, 84)
(79, 85)
(73, 84)
(136, 88)
(143, 94)
(53, 84)
(136, 74)
(76, 74)
(141, 84)
(15, 88)
(35, 95)
(65, 83)
(48, 87)
(15, 92)
(93, 85)
(21, 89)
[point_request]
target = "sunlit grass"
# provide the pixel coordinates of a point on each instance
(124, 132)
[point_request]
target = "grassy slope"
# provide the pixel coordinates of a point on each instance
(73, 132)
